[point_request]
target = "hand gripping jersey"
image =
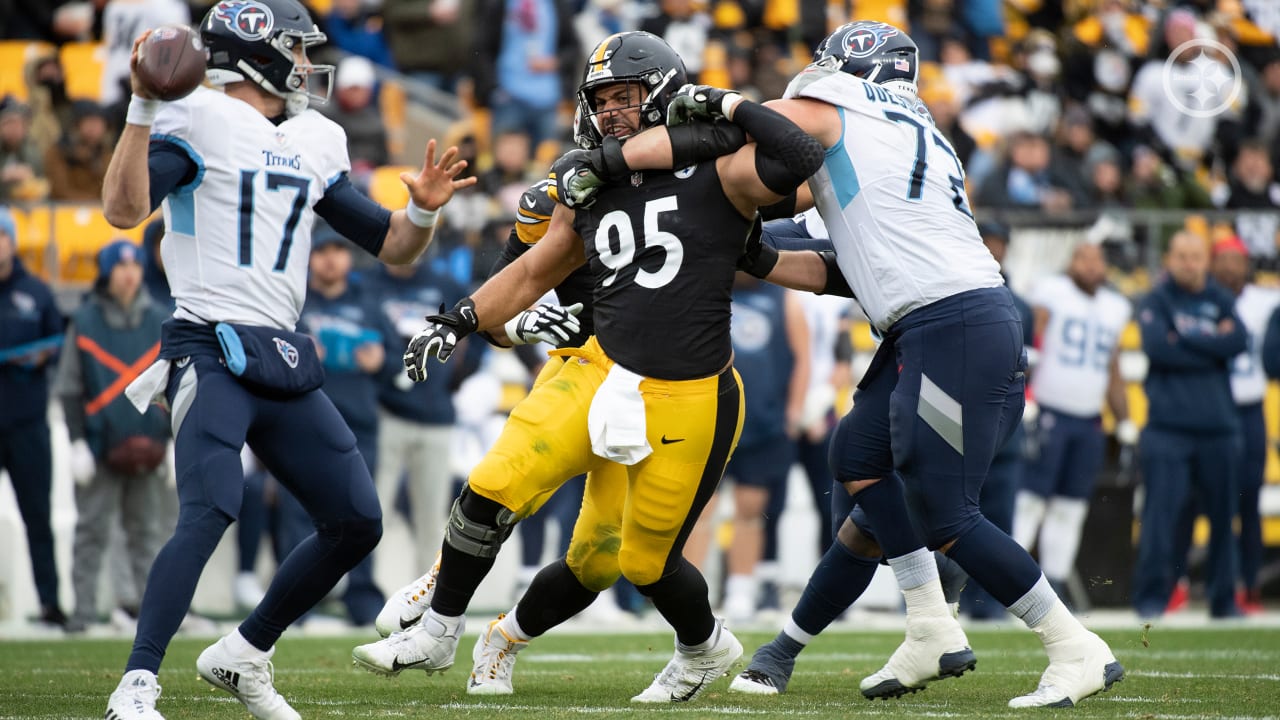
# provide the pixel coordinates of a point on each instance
(1078, 342)
(891, 193)
(238, 236)
(1248, 380)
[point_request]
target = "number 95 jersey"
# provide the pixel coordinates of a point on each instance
(238, 236)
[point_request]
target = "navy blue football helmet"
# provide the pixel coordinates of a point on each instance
(255, 40)
(632, 57)
(874, 51)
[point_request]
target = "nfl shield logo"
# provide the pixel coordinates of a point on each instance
(287, 351)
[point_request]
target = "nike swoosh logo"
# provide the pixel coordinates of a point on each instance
(692, 693)
(397, 666)
(666, 441)
(530, 202)
(406, 624)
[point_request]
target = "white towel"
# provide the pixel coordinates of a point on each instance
(616, 419)
(147, 386)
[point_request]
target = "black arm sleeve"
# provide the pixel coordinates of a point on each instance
(836, 282)
(170, 168)
(361, 220)
(785, 155)
(696, 142)
(781, 210)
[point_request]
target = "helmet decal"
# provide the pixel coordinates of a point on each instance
(246, 18)
(863, 41)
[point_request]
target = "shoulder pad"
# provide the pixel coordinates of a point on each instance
(534, 213)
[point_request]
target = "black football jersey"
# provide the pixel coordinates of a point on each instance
(662, 251)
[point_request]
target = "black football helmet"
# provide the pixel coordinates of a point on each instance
(255, 40)
(631, 57)
(874, 51)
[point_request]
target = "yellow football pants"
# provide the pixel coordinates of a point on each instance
(634, 519)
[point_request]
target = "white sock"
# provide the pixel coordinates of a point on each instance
(511, 626)
(741, 588)
(793, 631)
(447, 626)
(240, 647)
(917, 574)
(1060, 535)
(767, 570)
(1028, 513)
(1044, 613)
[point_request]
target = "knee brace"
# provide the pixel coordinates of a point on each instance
(478, 526)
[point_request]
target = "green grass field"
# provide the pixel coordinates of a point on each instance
(1231, 672)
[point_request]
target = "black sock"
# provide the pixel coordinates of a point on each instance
(555, 595)
(681, 597)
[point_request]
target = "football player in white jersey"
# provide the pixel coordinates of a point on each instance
(1078, 324)
(1255, 306)
(242, 173)
(946, 386)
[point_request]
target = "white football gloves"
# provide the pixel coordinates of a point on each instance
(551, 324)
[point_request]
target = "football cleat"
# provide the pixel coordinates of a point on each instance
(689, 674)
(134, 698)
(494, 661)
(1079, 666)
(768, 674)
(405, 606)
(427, 646)
(935, 648)
(250, 680)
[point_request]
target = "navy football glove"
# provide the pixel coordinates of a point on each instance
(440, 337)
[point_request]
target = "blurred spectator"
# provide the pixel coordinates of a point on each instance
(1191, 444)
(432, 41)
(56, 21)
(1028, 181)
(1098, 60)
(50, 106)
(602, 18)
(1074, 139)
(1267, 102)
(940, 98)
(30, 333)
(528, 62)
(21, 164)
(117, 455)
(684, 24)
(509, 176)
(415, 423)
(1252, 187)
(1153, 184)
(77, 165)
(355, 110)
(354, 28)
(122, 22)
(1255, 306)
(1104, 177)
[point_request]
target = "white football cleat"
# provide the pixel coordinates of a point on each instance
(1079, 666)
(405, 606)
(689, 674)
(494, 661)
(250, 680)
(135, 698)
(427, 646)
(935, 648)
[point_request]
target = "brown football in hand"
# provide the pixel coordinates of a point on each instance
(171, 62)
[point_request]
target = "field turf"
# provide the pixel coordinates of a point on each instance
(1172, 673)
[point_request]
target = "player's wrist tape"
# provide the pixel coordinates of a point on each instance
(730, 103)
(142, 111)
(422, 218)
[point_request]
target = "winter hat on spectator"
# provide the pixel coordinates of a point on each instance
(81, 109)
(1098, 153)
(355, 71)
(7, 225)
(11, 105)
(1230, 244)
(116, 253)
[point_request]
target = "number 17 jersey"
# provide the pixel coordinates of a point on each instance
(238, 236)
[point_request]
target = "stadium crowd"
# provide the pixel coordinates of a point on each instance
(1062, 113)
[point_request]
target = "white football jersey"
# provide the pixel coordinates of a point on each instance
(1248, 379)
(238, 237)
(891, 193)
(1078, 342)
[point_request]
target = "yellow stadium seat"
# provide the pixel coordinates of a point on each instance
(385, 186)
(861, 335)
(83, 64)
(33, 239)
(80, 231)
(14, 55)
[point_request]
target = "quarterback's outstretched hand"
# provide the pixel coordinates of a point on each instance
(439, 338)
(701, 102)
(432, 188)
(552, 324)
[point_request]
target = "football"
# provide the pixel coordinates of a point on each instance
(171, 62)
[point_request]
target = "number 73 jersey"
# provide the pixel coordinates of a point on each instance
(891, 192)
(238, 236)
(663, 251)
(1078, 342)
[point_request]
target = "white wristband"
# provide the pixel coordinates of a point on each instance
(512, 328)
(729, 104)
(422, 218)
(142, 111)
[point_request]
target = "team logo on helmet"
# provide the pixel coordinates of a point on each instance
(861, 42)
(246, 18)
(287, 351)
